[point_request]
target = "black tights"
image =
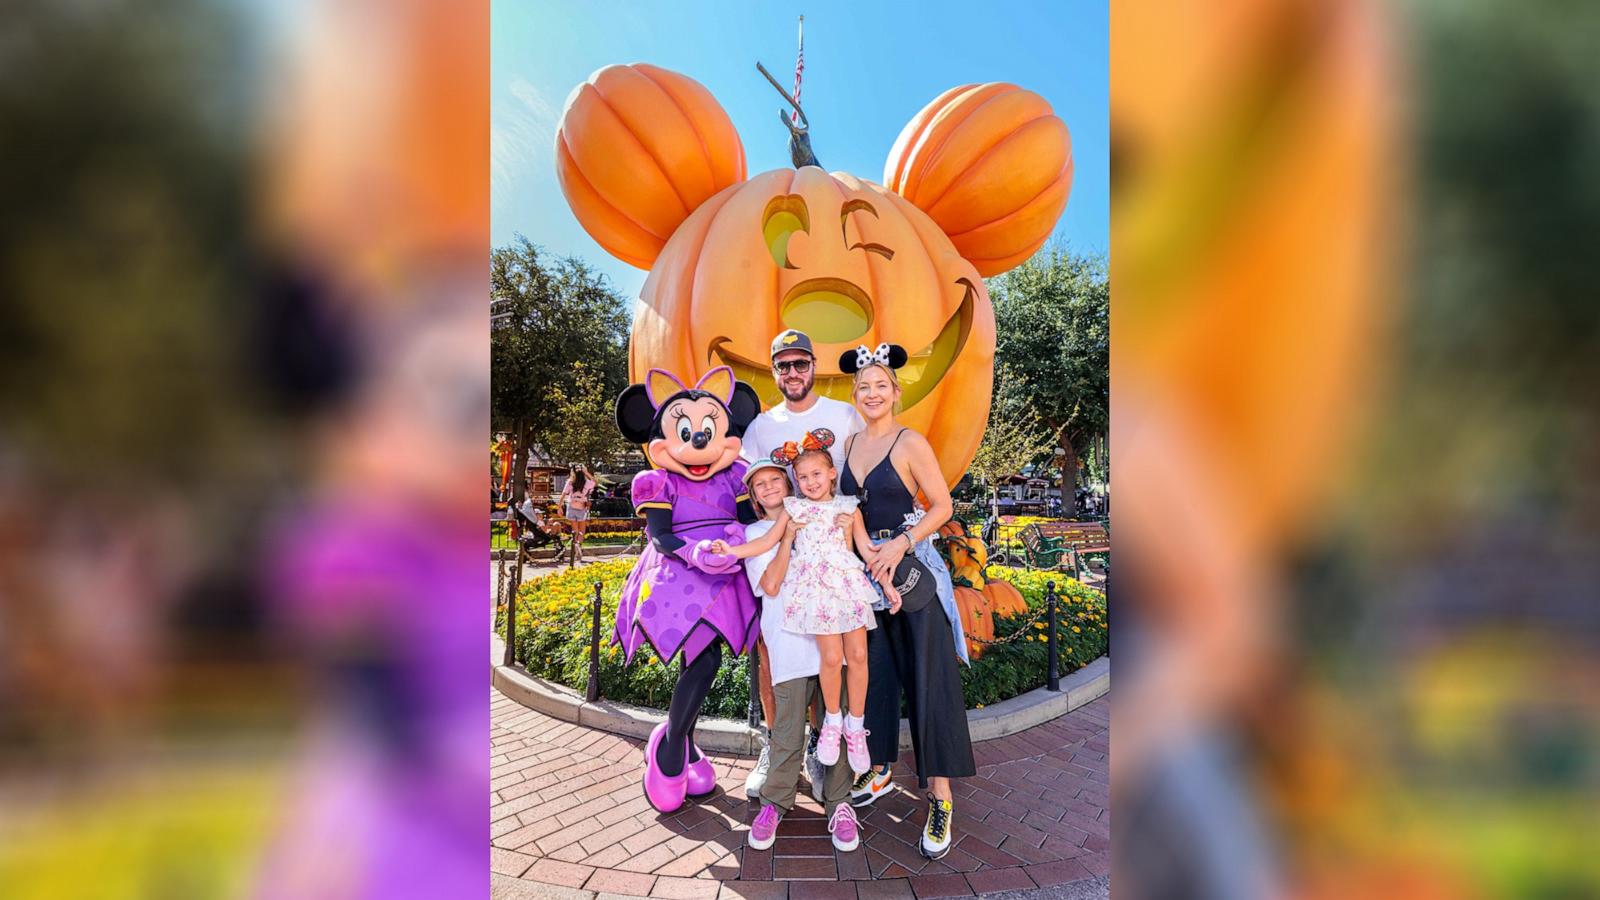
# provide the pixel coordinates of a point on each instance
(684, 710)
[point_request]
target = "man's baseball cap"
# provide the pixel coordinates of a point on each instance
(792, 340)
(915, 583)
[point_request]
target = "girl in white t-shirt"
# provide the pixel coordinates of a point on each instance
(794, 662)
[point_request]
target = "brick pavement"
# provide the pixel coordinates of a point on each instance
(569, 819)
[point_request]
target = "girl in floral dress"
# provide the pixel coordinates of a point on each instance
(826, 592)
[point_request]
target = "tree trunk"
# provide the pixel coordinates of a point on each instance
(519, 463)
(1069, 478)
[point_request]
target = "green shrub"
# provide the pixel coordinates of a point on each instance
(554, 614)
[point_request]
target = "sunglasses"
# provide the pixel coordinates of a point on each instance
(801, 366)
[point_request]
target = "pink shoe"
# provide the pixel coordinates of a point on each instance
(665, 792)
(764, 830)
(844, 828)
(828, 742)
(701, 778)
(855, 742)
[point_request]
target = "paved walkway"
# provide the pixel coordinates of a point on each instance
(569, 820)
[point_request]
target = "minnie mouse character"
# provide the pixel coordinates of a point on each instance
(681, 598)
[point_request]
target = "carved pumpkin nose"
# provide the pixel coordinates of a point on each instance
(700, 439)
(830, 310)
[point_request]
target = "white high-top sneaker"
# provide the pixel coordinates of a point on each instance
(758, 776)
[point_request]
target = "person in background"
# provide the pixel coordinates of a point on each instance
(576, 499)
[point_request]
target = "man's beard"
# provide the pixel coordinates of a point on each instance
(805, 388)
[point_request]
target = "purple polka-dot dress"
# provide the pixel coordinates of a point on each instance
(670, 605)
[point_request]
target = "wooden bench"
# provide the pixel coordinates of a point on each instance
(1055, 545)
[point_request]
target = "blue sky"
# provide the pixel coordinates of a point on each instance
(869, 68)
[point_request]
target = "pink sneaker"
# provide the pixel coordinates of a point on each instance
(764, 830)
(844, 828)
(828, 742)
(855, 742)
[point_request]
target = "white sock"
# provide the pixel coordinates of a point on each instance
(832, 719)
(854, 723)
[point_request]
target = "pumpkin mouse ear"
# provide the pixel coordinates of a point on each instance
(991, 164)
(638, 150)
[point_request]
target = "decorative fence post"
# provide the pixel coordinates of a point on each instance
(510, 658)
(593, 692)
(754, 715)
(1054, 682)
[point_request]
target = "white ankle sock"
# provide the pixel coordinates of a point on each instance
(853, 723)
(833, 719)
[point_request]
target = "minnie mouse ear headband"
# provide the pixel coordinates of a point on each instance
(892, 355)
(817, 439)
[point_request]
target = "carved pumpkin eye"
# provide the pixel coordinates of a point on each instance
(844, 216)
(783, 217)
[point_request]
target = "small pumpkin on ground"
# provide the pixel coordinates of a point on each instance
(977, 620)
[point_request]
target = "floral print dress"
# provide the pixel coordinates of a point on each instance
(826, 590)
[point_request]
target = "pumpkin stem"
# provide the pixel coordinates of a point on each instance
(800, 153)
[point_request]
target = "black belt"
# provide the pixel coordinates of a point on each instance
(884, 534)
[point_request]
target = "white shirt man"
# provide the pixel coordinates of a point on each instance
(802, 410)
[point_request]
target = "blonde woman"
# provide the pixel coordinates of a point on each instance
(914, 652)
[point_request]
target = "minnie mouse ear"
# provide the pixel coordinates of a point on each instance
(892, 355)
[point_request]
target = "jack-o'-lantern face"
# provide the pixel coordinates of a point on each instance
(842, 260)
(849, 262)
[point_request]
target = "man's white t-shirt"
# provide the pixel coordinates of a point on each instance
(779, 424)
(790, 655)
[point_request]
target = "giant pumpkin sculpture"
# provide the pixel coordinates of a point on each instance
(654, 171)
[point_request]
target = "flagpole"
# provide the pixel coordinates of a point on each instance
(799, 66)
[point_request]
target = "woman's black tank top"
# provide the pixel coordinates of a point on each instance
(885, 502)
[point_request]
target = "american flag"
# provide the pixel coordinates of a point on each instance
(799, 67)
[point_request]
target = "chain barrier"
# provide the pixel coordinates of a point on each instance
(1021, 632)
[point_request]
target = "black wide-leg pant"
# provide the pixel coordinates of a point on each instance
(915, 653)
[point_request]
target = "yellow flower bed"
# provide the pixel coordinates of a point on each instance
(554, 614)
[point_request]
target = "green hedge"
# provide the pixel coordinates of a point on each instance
(553, 614)
(500, 538)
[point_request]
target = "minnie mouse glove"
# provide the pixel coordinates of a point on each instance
(701, 557)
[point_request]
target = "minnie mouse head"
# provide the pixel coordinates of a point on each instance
(694, 432)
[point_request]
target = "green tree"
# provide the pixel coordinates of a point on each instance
(585, 426)
(1052, 333)
(1010, 442)
(551, 318)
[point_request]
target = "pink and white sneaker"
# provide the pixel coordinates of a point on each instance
(844, 828)
(855, 742)
(828, 742)
(764, 830)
